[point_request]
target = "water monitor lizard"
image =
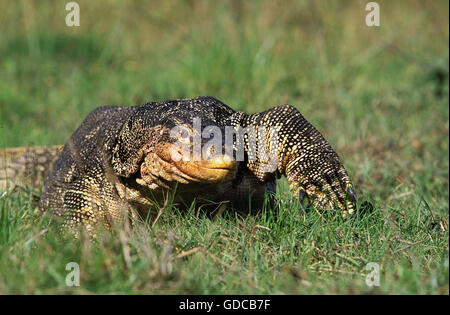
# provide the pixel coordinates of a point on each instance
(119, 160)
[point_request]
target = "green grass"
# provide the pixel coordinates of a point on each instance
(379, 95)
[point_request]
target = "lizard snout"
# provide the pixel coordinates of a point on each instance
(217, 168)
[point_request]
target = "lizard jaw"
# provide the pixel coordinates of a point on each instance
(216, 170)
(159, 165)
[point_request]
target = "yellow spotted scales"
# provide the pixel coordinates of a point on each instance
(117, 164)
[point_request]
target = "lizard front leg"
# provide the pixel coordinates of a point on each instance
(312, 168)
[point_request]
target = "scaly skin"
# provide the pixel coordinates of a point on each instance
(119, 160)
(26, 166)
(312, 168)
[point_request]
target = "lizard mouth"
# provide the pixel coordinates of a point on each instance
(217, 169)
(161, 164)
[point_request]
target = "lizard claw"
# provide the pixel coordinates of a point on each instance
(351, 194)
(327, 186)
(301, 197)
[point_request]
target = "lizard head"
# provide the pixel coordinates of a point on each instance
(171, 151)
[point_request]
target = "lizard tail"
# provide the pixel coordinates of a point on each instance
(26, 166)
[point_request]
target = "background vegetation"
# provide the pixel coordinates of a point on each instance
(379, 95)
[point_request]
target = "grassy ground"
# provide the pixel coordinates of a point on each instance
(379, 95)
